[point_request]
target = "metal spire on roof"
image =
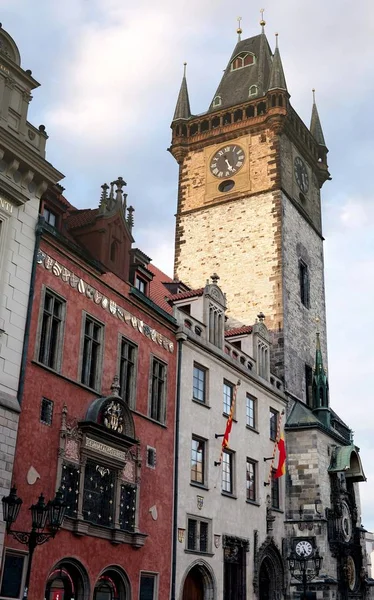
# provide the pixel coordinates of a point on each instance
(182, 109)
(239, 30)
(320, 386)
(262, 22)
(315, 123)
(277, 79)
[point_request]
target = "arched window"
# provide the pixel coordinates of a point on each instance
(244, 59)
(113, 251)
(217, 101)
(253, 90)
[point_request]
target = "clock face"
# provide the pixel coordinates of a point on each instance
(301, 175)
(304, 548)
(346, 523)
(227, 161)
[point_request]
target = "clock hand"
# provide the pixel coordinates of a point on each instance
(228, 164)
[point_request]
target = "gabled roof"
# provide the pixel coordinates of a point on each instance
(245, 329)
(235, 84)
(301, 415)
(82, 217)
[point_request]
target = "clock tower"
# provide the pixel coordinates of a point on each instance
(249, 205)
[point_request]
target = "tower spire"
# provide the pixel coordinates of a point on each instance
(239, 30)
(320, 387)
(315, 123)
(262, 22)
(277, 79)
(182, 109)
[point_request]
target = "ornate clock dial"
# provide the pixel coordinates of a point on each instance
(301, 175)
(346, 523)
(227, 161)
(304, 548)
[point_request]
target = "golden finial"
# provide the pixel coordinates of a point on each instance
(262, 22)
(239, 31)
(317, 321)
(184, 69)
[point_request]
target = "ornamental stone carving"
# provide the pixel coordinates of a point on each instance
(113, 416)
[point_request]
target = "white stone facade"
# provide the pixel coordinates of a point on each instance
(227, 514)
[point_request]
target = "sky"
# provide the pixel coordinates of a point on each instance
(110, 72)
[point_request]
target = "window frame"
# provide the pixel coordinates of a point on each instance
(156, 578)
(254, 463)
(242, 56)
(304, 281)
(50, 214)
(59, 346)
(140, 284)
(275, 491)
(100, 356)
(131, 401)
(198, 520)
(203, 370)
(204, 462)
(231, 472)
(51, 406)
(163, 398)
(230, 385)
(19, 553)
(275, 413)
(248, 411)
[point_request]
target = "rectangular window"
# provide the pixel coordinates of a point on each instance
(70, 487)
(308, 384)
(92, 353)
(12, 574)
(198, 449)
(151, 457)
(50, 343)
(274, 491)
(148, 586)
(198, 535)
(251, 411)
(127, 507)
(199, 383)
(228, 392)
(127, 370)
(46, 411)
(228, 472)
(49, 217)
(234, 568)
(273, 415)
(251, 480)
(98, 494)
(158, 391)
(304, 284)
(140, 285)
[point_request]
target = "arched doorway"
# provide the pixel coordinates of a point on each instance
(112, 584)
(265, 581)
(67, 581)
(198, 582)
(268, 580)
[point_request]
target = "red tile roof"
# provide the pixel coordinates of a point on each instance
(81, 218)
(188, 294)
(157, 290)
(238, 331)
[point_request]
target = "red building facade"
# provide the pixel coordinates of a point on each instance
(97, 410)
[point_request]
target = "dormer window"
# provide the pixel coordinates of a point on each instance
(216, 321)
(244, 59)
(140, 284)
(253, 90)
(217, 101)
(50, 217)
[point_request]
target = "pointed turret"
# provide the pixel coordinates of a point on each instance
(182, 109)
(277, 79)
(320, 388)
(315, 125)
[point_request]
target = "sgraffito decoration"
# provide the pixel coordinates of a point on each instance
(50, 264)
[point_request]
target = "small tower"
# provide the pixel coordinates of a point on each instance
(320, 388)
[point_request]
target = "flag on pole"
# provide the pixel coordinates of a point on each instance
(281, 469)
(276, 446)
(226, 435)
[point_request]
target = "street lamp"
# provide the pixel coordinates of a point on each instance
(51, 515)
(304, 567)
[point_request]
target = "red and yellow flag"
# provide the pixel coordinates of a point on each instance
(281, 469)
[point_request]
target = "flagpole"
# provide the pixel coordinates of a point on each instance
(225, 441)
(275, 448)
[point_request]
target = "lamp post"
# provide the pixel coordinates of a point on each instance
(304, 567)
(43, 515)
